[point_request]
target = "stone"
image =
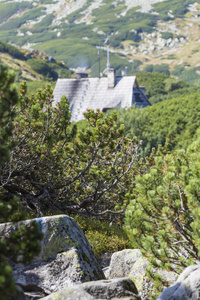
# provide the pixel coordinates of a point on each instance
(130, 263)
(182, 39)
(186, 287)
(66, 257)
(161, 42)
(169, 41)
(101, 289)
(172, 44)
(151, 48)
(142, 47)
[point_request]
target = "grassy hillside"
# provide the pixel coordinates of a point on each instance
(164, 33)
(35, 67)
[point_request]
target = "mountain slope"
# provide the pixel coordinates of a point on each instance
(141, 32)
(32, 65)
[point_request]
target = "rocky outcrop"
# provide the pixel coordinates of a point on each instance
(186, 287)
(102, 289)
(66, 257)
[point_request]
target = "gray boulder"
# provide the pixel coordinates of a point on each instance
(130, 263)
(187, 287)
(101, 289)
(66, 257)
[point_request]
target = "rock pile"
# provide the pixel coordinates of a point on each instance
(66, 257)
(68, 269)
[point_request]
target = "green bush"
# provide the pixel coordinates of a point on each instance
(171, 56)
(163, 217)
(190, 76)
(22, 244)
(167, 35)
(178, 70)
(175, 94)
(104, 237)
(172, 84)
(154, 82)
(163, 68)
(45, 23)
(46, 1)
(195, 51)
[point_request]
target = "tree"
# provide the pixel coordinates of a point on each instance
(52, 168)
(163, 218)
(22, 244)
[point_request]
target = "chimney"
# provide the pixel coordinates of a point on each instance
(123, 73)
(111, 78)
(81, 75)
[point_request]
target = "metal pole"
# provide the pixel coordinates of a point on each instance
(108, 58)
(99, 61)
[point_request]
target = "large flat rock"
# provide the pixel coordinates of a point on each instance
(101, 289)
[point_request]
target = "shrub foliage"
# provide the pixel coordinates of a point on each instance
(22, 244)
(163, 217)
(52, 167)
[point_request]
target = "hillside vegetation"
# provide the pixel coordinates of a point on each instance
(163, 215)
(176, 119)
(37, 68)
(164, 33)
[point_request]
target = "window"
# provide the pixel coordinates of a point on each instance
(137, 97)
(105, 109)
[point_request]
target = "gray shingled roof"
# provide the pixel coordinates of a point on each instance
(93, 93)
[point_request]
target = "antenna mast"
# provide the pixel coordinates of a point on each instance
(108, 54)
(99, 60)
(108, 58)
